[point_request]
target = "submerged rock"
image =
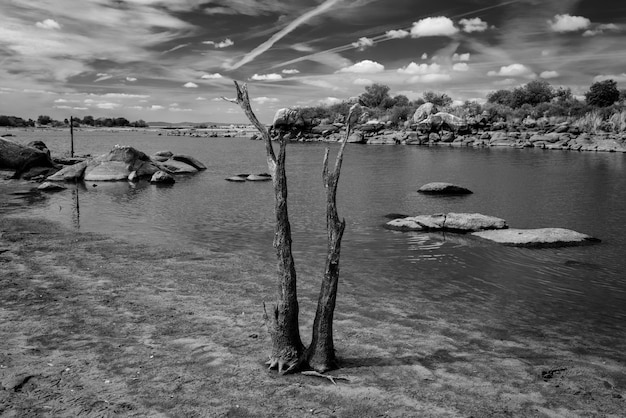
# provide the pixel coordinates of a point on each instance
(539, 238)
(48, 186)
(443, 188)
(454, 222)
(161, 177)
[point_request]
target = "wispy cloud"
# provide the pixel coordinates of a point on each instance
(280, 34)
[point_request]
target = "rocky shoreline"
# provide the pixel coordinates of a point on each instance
(561, 137)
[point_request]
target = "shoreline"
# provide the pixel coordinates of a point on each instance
(95, 325)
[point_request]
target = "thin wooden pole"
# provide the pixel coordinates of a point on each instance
(71, 136)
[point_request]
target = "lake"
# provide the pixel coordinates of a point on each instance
(577, 293)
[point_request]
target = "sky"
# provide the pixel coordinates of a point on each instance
(174, 60)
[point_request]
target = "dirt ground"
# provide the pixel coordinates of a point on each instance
(92, 326)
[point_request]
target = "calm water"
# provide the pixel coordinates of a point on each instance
(581, 288)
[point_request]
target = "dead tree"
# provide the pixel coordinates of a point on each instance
(288, 353)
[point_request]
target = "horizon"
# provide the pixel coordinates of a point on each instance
(175, 60)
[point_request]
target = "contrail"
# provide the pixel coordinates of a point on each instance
(382, 37)
(279, 35)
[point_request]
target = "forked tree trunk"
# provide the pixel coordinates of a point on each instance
(282, 320)
(288, 353)
(321, 352)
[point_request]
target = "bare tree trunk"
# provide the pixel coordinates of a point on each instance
(282, 321)
(321, 352)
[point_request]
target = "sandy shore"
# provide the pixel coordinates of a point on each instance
(94, 326)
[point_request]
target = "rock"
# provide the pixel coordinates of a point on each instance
(356, 137)
(161, 177)
(107, 171)
(542, 237)
(238, 179)
(179, 167)
(40, 145)
(70, 173)
(259, 177)
(286, 118)
(443, 188)
(453, 222)
(48, 186)
(27, 161)
(133, 176)
(187, 159)
(424, 111)
(166, 154)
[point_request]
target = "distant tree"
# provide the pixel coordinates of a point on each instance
(44, 120)
(438, 99)
(142, 124)
(5, 121)
(121, 122)
(401, 100)
(563, 95)
(538, 91)
(501, 96)
(602, 93)
(376, 95)
(88, 120)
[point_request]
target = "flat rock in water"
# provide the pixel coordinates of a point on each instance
(48, 186)
(161, 177)
(237, 179)
(107, 171)
(541, 237)
(179, 167)
(453, 222)
(259, 177)
(443, 188)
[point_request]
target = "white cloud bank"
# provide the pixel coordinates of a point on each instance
(433, 26)
(568, 23)
(364, 67)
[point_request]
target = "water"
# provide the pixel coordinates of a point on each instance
(581, 289)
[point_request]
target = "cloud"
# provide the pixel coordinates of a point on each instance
(433, 26)
(213, 76)
(430, 78)
(266, 77)
(460, 66)
(513, 70)
(156, 107)
(600, 29)
(363, 82)
(461, 57)
(199, 98)
(107, 105)
(363, 43)
(286, 30)
(397, 34)
(424, 56)
(102, 77)
(329, 101)
(414, 68)
(190, 85)
(178, 109)
(223, 44)
(567, 23)
(364, 67)
(131, 79)
(290, 71)
(549, 74)
(263, 100)
(475, 24)
(620, 78)
(48, 24)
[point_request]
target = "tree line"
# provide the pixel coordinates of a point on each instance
(45, 120)
(535, 99)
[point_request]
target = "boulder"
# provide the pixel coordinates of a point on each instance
(259, 177)
(188, 159)
(48, 186)
(27, 161)
(443, 188)
(119, 163)
(179, 167)
(107, 171)
(453, 222)
(424, 111)
(161, 177)
(538, 238)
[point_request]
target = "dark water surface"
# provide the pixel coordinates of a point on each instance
(574, 290)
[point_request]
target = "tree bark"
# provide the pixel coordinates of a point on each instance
(320, 354)
(282, 321)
